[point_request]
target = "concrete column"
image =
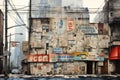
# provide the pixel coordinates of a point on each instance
(93, 67)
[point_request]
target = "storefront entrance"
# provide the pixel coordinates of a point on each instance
(89, 67)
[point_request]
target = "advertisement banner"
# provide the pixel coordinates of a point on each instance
(38, 58)
(70, 24)
(65, 57)
(81, 55)
(93, 56)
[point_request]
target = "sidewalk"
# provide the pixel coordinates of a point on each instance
(63, 76)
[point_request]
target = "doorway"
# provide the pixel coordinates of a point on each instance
(89, 67)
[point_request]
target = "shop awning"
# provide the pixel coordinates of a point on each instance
(114, 53)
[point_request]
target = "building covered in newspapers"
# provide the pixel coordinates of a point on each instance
(64, 42)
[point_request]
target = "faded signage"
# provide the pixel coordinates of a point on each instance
(38, 58)
(57, 50)
(81, 55)
(88, 56)
(70, 24)
(65, 57)
(89, 29)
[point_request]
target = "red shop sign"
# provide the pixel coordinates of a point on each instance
(38, 58)
(115, 53)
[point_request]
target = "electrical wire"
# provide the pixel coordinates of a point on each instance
(16, 21)
(91, 12)
(22, 8)
(12, 15)
(17, 12)
(14, 18)
(13, 7)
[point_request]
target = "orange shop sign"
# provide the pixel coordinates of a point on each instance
(38, 58)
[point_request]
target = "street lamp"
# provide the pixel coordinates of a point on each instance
(10, 47)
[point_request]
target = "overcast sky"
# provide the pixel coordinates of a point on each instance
(86, 3)
(93, 3)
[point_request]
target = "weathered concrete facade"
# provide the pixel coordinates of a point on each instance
(64, 42)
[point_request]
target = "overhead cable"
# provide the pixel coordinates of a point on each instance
(13, 7)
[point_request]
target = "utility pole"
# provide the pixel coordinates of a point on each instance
(107, 10)
(6, 43)
(29, 35)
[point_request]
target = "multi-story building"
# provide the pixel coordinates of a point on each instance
(64, 42)
(1, 40)
(112, 12)
(114, 22)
